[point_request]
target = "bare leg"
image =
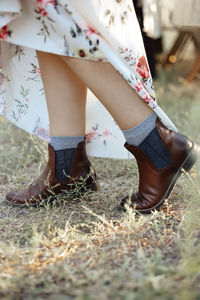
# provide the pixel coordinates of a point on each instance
(65, 95)
(66, 100)
(112, 90)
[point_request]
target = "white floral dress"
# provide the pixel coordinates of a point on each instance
(100, 30)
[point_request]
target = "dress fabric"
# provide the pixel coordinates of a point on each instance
(99, 30)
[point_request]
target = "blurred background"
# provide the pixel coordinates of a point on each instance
(171, 33)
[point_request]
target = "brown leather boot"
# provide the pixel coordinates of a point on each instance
(46, 186)
(155, 185)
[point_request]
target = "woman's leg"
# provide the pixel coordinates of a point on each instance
(65, 96)
(68, 165)
(132, 114)
(112, 90)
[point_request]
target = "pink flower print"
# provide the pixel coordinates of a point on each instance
(41, 5)
(105, 135)
(148, 99)
(37, 71)
(42, 11)
(90, 31)
(142, 67)
(138, 87)
(27, 99)
(90, 136)
(42, 133)
(4, 33)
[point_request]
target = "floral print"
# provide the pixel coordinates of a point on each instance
(41, 132)
(42, 15)
(105, 135)
(92, 134)
(99, 30)
(4, 33)
(142, 68)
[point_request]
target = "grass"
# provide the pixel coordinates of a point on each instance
(87, 248)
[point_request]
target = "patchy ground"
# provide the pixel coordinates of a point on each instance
(87, 248)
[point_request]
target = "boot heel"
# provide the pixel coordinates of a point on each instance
(192, 158)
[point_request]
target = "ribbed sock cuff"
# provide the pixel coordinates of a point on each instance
(136, 135)
(65, 142)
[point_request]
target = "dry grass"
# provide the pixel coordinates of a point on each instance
(87, 248)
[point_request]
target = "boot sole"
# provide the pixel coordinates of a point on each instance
(87, 189)
(187, 165)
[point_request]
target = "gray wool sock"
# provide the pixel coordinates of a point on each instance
(136, 135)
(65, 142)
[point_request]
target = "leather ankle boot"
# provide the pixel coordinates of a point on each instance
(46, 186)
(156, 184)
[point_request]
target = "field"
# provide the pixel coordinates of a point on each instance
(86, 248)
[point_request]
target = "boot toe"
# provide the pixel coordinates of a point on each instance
(11, 196)
(14, 197)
